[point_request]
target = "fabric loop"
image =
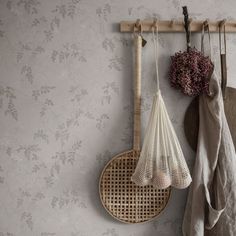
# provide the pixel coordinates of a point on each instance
(155, 43)
(205, 27)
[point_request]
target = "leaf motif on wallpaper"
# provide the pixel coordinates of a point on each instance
(11, 110)
(161, 41)
(6, 234)
(6, 149)
(24, 47)
(67, 10)
(19, 56)
(146, 102)
(42, 91)
(62, 134)
(26, 217)
(145, 106)
(68, 198)
(40, 134)
(108, 44)
(23, 194)
(19, 202)
(108, 90)
(77, 93)
(125, 42)
(110, 232)
(55, 23)
(61, 159)
(47, 234)
(39, 166)
(70, 156)
(30, 152)
(63, 130)
(61, 9)
(101, 121)
(7, 98)
(38, 21)
(104, 11)
(39, 95)
(130, 9)
(49, 181)
(1, 31)
(9, 5)
(176, 3)
(72, 8)
(55, 169)
(38, 50)
(30, 6)
(87, 114)
(147, 12)
(64, 158)
(2, 179)
(116, 63)
(68, 51)
(46, 105)
(48, 35)
(60, 12)
(38, 196)
(27, 50)
(27, 72)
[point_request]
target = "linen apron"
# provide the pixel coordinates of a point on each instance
(211, 203)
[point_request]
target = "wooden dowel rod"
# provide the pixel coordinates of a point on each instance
(137, 93)
(177, 26)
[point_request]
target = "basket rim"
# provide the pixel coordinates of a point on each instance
(110, 213)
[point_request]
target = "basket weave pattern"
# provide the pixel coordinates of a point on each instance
(123, 199)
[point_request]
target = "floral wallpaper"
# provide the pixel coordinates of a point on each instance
(66, 106)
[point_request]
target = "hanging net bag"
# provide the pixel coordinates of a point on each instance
(161, 162)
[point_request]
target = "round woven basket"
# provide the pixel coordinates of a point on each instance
(124, 200)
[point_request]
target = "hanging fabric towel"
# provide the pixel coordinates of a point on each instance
(161, 161)
(211, 204)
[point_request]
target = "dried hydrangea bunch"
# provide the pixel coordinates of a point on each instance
(190, 71)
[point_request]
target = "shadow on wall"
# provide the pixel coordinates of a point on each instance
(115, 27)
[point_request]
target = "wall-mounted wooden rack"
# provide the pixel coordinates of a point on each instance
(177, 26)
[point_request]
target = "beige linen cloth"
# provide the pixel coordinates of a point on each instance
(211, 204)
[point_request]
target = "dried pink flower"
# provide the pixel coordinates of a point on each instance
(190, 72)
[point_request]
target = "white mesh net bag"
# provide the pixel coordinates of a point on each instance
(161, 162)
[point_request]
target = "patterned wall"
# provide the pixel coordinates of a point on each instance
(66, 109)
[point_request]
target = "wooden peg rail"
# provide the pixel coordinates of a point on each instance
(177, 26)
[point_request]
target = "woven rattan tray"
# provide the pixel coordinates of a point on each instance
(124, 200)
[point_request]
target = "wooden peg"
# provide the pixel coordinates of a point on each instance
(206, 23)
(137, 24)
(155, 24)
(172, 22)
(222, 23)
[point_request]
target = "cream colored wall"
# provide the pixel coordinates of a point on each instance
(66, 109)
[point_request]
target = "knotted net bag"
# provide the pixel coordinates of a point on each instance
(161, 163)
